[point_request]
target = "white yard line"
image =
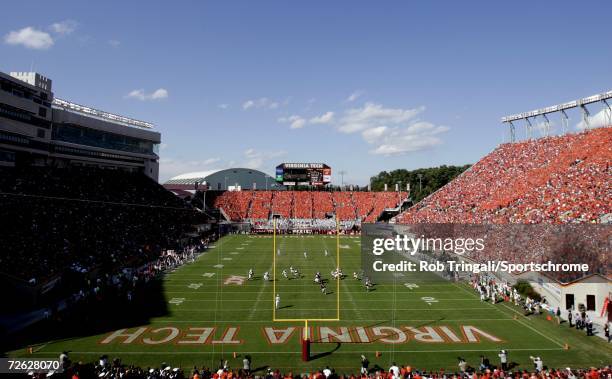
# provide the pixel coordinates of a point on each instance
(174, 352)
(352, 321)
(534, 329)
(347, 309)
(350, 294)
(262, 290)
(319, 300)
(519, 321)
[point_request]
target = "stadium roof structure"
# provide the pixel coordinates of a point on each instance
(602, 98)
(224, 179)
(102, 115)
(190, 177)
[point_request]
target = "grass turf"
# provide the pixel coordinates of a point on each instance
(199, 297)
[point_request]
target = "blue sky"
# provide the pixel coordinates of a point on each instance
(362, 86)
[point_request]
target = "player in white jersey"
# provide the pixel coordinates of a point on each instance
(251, 274)
(266, 276)
(277, 301)
(278, 252)
(285, 274)
(305, 255)
(326, 252)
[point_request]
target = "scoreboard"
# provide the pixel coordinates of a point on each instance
(303, 174)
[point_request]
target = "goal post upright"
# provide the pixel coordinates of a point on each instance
(273, 269)
(337, 266)
(305, 339)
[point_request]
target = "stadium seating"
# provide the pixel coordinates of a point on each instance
(302, 204)
(305, 207)
(282, 203)
(345, 208)
(561, 179)
(322, 203)
(81, 219)
(260, 205)
(554, 180)
(235, 204)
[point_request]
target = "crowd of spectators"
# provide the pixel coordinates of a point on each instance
(522, 244)
(560, 179)
(235, 204)
(261, 205)
(482, 369)
(58, 221)
(348, 206)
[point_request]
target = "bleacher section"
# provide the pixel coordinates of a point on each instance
(83, 219)
(561, 179)
(302, 208)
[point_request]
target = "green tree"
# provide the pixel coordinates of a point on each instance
(423, 181)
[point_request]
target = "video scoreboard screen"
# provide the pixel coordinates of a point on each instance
(303, 174)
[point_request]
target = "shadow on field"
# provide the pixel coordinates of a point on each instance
(326, 353)
(93, 316)
(390, 335)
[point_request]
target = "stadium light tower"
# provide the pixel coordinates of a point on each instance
(342, 173)
(399, 192)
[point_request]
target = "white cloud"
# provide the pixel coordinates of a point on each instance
(373, 134)
(257, 159)
(223, 106)
(325, 118)
(391, 131)
(354, 96)
(114, 43)
(263, 103)
(371, 115)
(170, 167)
(295, 121)
(298, 122)
(30, 38)
(248, 104)
(140, 94)
(601, 118)
(160, 93)
(63, 28)
(403, 139)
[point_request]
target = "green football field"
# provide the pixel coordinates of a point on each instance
(214, 312)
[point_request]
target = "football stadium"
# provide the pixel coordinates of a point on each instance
(282, 265)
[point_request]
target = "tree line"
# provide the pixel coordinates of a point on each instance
(423, 181)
